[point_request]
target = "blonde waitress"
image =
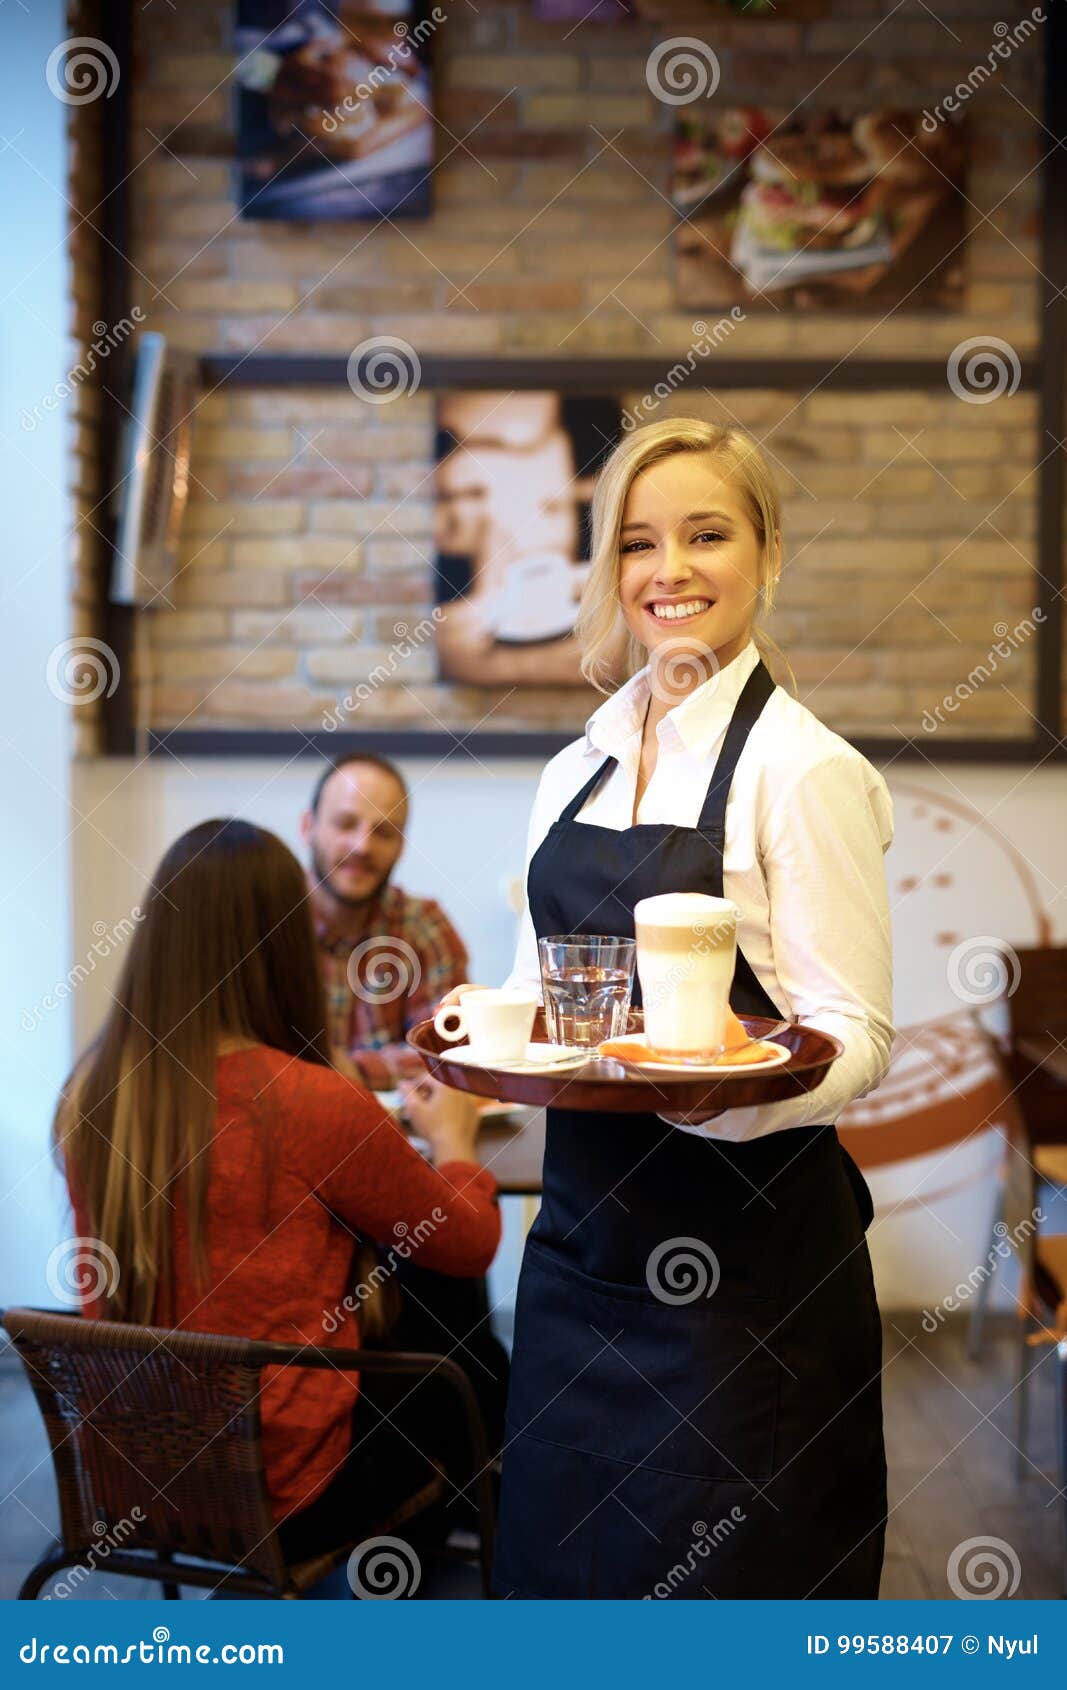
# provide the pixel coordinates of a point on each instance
(723, 1440)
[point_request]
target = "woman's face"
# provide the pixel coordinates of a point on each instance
(689, 565)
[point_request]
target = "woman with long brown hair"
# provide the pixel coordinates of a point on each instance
(228, 1171)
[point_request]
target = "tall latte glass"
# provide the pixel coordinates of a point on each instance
(686, 947)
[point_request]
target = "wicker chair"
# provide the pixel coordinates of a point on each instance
(165, 1425)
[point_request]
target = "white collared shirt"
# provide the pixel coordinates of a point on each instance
(808, 822)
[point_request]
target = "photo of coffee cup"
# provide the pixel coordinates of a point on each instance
(686, 950)
(495, 1021)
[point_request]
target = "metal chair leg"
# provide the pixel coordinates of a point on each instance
(976, 1324)
(1022, 1398)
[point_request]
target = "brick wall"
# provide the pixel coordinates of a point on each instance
(909, 524)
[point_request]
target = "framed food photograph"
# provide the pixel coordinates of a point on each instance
(819, 210)
(512, 486)
(335, 118)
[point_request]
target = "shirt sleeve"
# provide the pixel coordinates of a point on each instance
(362, 1168)
(442, 958)
(548, 801)
(822, 847)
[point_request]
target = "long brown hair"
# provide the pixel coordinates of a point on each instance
(225, 947)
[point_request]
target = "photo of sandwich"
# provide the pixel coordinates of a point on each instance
(818, 209)
(335, 117)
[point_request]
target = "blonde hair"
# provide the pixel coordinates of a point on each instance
(610, 652)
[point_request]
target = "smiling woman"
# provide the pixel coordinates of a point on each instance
(687, 527)
(635, 1411)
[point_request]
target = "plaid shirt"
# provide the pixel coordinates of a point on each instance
(380, 986)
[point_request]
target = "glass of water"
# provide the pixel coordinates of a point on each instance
(587, 981)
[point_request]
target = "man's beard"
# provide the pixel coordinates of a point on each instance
(324, 880)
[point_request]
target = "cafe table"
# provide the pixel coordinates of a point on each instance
(512, 1147)
(511, 1143)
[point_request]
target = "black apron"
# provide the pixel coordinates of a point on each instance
(695, 1401)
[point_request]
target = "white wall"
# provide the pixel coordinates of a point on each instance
(978, 851)
(465, 841)
(34, 596)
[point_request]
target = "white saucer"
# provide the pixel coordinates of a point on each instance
(537, 1056)
(777, 1060)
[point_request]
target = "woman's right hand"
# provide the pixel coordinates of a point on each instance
(454, 995)
(446, 1118)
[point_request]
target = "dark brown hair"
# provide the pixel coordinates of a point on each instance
(225, 947)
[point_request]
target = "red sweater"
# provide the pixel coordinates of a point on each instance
(280, 1248)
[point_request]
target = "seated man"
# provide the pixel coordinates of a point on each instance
(387, 958)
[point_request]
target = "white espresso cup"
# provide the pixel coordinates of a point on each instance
(495, 1021)
(686, 950)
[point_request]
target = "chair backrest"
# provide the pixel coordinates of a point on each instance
(1037, 1020)
(1037, 1008)
(155, 1437)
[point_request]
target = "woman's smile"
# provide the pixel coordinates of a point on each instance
(678, 610)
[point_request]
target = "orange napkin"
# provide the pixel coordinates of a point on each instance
(628, 1050)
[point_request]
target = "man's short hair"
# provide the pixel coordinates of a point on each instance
(370, 759)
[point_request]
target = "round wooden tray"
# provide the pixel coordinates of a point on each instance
(606, 1086)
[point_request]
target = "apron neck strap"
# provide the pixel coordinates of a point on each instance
(754, 695)
(570, 813)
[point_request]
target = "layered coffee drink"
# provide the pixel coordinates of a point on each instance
(686, 949)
